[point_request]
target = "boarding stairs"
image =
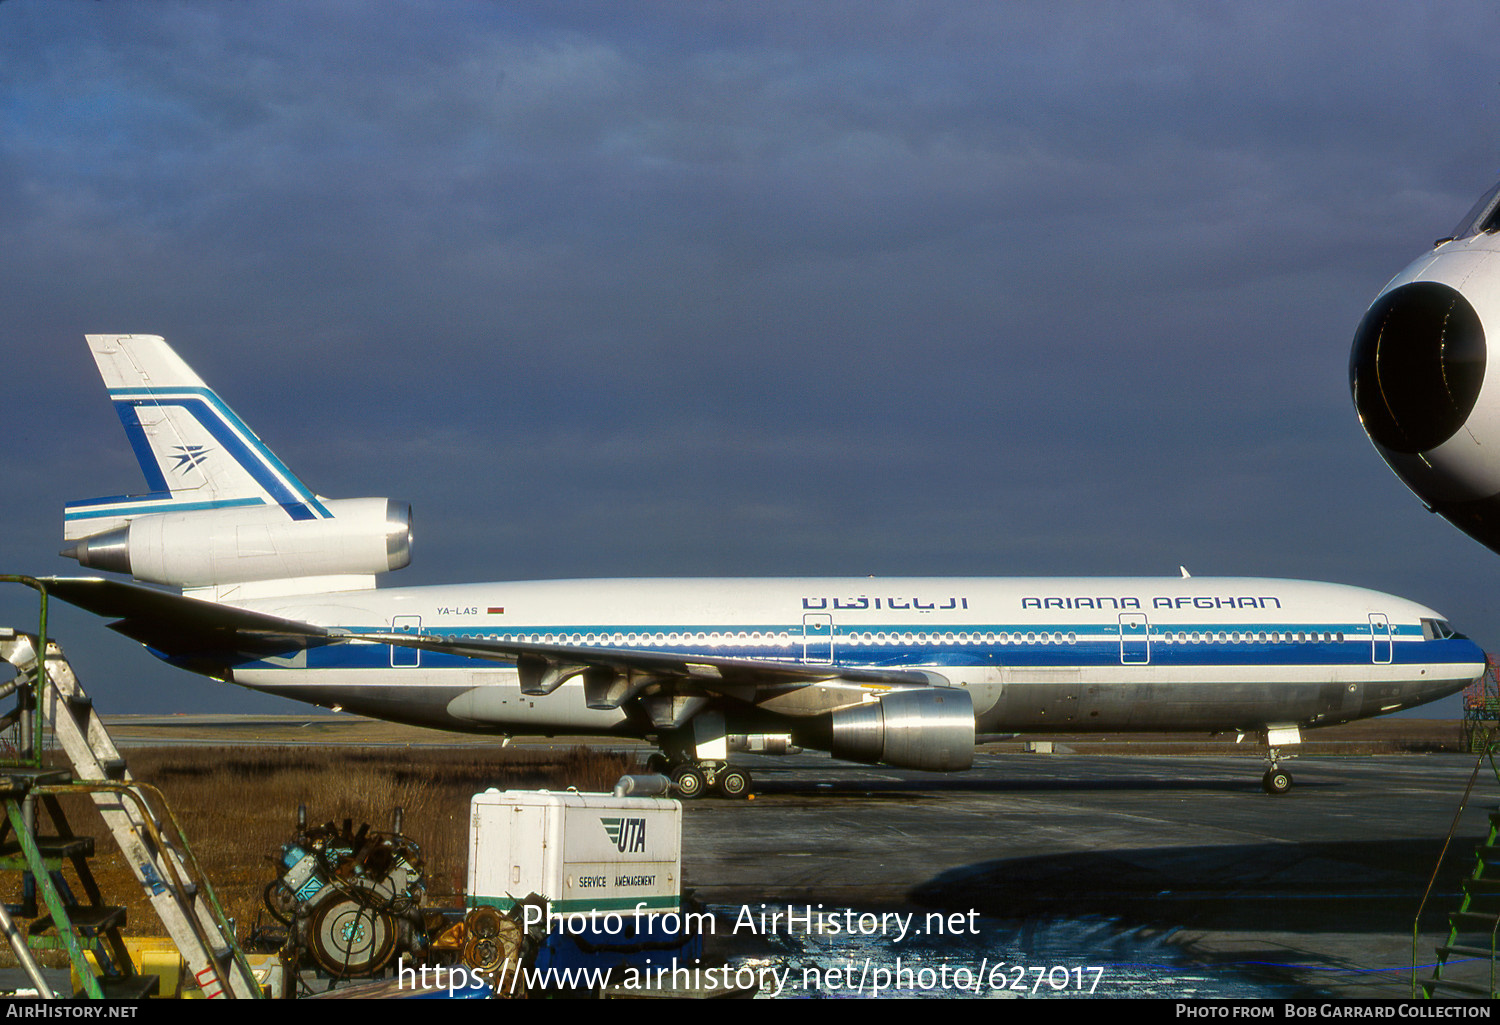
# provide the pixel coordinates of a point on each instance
(48, 694)
(1468, 964)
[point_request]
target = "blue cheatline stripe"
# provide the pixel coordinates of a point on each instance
(1097, 651)
(100, 508)
(238, 440)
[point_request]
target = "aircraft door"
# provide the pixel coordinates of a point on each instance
(1380, 639)
(405, 658)
(817, 638)
(1135, 639)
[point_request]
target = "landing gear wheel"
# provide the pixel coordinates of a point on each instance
(1276, 781)
(657, 764)
(689, 782)
(734, 783)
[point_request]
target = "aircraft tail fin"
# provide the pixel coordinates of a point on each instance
(194, 451)
(225, 518)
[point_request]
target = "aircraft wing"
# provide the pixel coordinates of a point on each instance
(182, 627)
(179, 626)
(543, 666)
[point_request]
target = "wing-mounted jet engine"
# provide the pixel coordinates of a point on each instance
(223, 511)
(1418, 371)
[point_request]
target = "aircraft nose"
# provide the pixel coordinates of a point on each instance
(1479, 658)
(1417, 365)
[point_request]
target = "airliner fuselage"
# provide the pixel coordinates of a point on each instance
(1045, 654)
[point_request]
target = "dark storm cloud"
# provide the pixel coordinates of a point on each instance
(760, 288)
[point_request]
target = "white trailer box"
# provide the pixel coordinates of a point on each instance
(583, 852)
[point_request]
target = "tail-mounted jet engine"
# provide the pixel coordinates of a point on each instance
(1418, 374)
(931, 728)
(206, 547)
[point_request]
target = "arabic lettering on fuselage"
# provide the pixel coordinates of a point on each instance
(864, 602)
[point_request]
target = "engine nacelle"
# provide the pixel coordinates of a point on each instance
(208, 547)
(931, 728)
(1418, 374)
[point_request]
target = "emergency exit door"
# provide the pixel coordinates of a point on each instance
(1135, 639)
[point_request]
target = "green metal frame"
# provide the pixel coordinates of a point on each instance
(135, 791)
(1481, 710)
(29, 757)
(62, 921)
(1424, 987)
(30, 754)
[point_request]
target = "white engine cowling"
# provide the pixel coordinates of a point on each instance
(1419, 374)
(209, 547)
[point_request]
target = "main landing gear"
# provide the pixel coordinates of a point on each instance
(694, 779)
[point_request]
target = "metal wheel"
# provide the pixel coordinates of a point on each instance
(1276, 781)
(351, 939)
(734, 783)
(689, 782)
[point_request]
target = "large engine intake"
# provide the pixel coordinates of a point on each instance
(206, 547)
(931, 728)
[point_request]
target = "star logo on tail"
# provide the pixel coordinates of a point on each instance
(190, 456)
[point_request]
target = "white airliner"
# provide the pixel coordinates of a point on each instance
(1418, 373)
(279, 595)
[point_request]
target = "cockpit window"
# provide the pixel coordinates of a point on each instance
(1438, 630)
(1484, 216)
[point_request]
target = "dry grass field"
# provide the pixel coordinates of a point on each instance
(237, 806)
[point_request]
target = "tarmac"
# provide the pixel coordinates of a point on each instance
(1071, 874)
(1157, 859)
(1059, 864)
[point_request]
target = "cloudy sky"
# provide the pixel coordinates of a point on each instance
(765, 288)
